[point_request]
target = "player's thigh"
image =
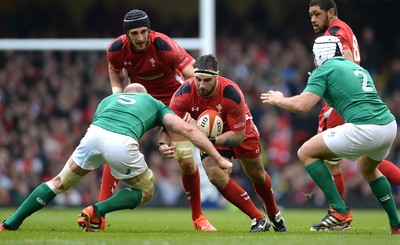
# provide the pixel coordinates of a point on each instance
(122, 154)
(314, 148)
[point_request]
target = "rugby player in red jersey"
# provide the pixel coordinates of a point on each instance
(150, 58)
(240, 140)
(325, 21)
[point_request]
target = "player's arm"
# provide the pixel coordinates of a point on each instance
(177, 125)
(230, 138)
(188, 71)
(117, 77)
(298, 103)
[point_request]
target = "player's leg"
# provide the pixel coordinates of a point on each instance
(44, 193)
(381, 189)
(337, 175)
(127, 163)
(330, 118)
(107, 189)
(391, 171)
(261, 182)
(108, 184)
(191, 182)
(249, 154)
(310, 154)
(141, 191)
(385, 134)
(234, 193)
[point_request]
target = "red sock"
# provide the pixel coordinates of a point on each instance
(267, 195)
(108, 184)
(239, 197)
(191, 184)
(339, 182)
(391, 171)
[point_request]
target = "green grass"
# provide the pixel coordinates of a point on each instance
(145, 226)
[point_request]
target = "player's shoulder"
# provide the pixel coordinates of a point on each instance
(230, 90)
(184, 90)
(337, 28)
(117, 44)
(161, 41)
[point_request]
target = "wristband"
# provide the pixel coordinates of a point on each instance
(213, 140)
(116, 89)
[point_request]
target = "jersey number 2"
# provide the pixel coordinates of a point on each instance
(365, 87)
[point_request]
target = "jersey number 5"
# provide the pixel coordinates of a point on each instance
(125, 99)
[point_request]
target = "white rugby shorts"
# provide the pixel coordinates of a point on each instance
(352, 141)
(120, 152)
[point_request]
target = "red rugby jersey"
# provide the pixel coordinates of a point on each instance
(158, 68)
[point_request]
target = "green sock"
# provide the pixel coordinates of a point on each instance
(127, 198)
(322, 176)
(38, 199)
(381, 189)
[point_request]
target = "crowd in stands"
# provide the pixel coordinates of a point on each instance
(47, 100)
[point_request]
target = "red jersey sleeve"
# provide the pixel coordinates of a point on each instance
(116, 53)
(179, 101)
(233, 104)
(346, 36)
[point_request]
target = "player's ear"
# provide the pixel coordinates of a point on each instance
(331, 13)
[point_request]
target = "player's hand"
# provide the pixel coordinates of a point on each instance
(167, 151)
(188, 119)
(272, 97)
(225, 165)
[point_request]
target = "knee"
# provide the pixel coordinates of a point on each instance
(183, 149)
(64, 180)
(187, 165)
(218, 178)
(301, 155)
(146, 186)
(147, 194)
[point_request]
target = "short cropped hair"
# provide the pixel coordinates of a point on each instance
(325, 5)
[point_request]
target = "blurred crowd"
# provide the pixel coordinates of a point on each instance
(47, 100)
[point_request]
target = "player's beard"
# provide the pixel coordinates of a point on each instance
(206, 93)
(322, 29)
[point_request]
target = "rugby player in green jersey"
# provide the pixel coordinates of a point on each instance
(119, 122)
(367, 135)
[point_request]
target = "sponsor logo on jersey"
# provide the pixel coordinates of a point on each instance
(219, 108)
(153, 62)
(151, 77)
(127, 63)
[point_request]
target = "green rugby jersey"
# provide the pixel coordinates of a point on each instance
(130, 114)
(350, 90)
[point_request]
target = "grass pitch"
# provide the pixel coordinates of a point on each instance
(146, 226)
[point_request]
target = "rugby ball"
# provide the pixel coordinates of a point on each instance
(211, 122)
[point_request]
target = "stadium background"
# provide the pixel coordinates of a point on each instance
(47, 98)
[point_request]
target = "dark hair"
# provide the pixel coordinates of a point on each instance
(134, 19)
(207, 62)
(325, 5)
